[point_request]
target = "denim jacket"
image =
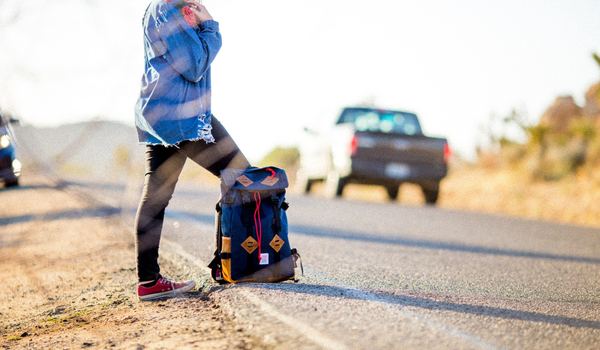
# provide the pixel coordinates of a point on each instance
(174, 103)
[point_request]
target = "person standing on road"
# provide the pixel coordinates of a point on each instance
(174, 120)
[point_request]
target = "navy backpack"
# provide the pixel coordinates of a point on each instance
(252, 228)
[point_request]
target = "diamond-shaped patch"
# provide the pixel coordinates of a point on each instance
(270, 181)
(277, 243)
(244, 180)
(250, 245)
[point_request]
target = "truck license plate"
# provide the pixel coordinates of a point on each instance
(397, 171)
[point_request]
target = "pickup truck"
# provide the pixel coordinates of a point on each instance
(376, 147)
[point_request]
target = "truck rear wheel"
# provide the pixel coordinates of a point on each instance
(431, 195)
(392, 192)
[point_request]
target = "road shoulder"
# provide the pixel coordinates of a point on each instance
(68, 268)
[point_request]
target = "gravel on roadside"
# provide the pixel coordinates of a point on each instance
(68, 271)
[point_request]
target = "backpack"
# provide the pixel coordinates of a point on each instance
(252, 229)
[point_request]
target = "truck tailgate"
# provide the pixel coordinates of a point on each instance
(400, 148)
(399, 156)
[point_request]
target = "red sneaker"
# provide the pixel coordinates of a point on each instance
(164, 288)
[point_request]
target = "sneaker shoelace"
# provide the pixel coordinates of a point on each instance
(169, 282)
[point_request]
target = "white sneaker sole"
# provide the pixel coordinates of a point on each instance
(169, 294)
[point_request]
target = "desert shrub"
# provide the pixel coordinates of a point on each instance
(594, 152)
(511, 153)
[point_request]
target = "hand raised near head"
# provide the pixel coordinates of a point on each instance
(195, 13)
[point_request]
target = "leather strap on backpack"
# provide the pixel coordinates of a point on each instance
(216, 268)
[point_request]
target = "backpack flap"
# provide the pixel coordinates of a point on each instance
(255, 179)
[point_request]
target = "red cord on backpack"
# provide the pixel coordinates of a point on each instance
(258, 224)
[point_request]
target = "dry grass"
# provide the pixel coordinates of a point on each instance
(572, 200)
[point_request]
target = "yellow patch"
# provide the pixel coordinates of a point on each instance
(226, 245)
(226, 266)
(250, 245)
(277, 243)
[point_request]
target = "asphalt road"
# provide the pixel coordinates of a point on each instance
(387, 276)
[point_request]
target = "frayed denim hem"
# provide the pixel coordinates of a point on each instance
(204, 133)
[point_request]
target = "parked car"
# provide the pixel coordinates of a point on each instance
(377, 147)
(10, 167)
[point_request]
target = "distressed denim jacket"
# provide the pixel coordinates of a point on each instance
(174, 103)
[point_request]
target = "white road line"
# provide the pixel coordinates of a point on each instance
(306, 330)
(302, 328)
(358, 294)
(178, 249)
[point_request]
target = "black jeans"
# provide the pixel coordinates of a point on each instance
(163, 167)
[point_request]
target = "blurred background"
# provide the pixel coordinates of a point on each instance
(513, 86)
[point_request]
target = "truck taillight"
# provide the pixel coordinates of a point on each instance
(354, 145)
(447, 152)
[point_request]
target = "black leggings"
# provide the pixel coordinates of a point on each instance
(163, 166)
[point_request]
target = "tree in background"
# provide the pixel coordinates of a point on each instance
(538, 143)
(502, 139)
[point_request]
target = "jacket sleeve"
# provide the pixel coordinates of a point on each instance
(190, 51)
